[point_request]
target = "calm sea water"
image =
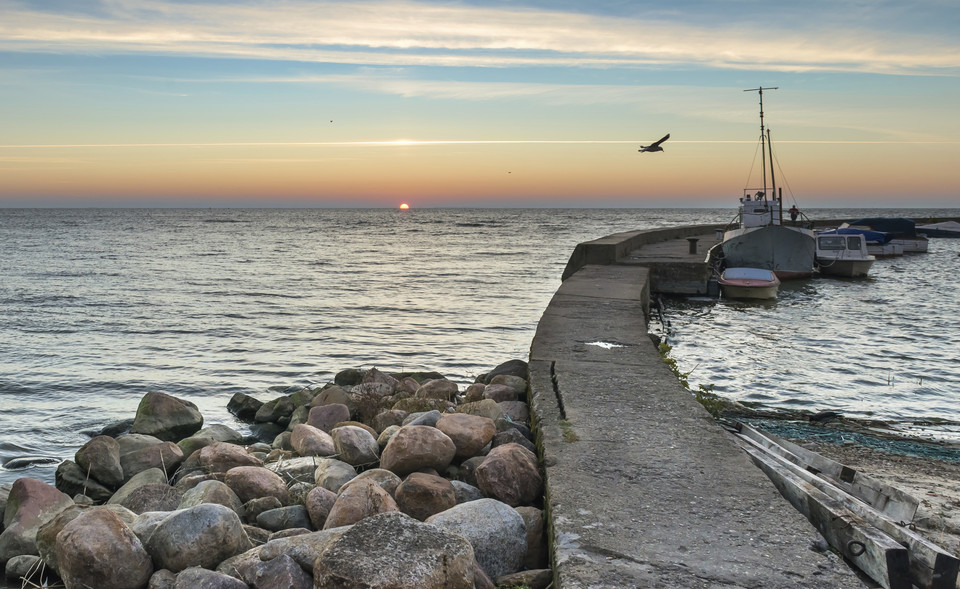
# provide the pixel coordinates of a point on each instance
(99, 306)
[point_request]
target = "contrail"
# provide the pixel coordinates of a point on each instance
(417, 142)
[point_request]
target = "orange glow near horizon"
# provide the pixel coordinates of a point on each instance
(404, 206)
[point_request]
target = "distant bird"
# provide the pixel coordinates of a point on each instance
(654, 146)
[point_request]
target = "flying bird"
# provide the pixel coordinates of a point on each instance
(654, 146)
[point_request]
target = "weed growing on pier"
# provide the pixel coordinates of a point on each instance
(704, 393)
(567, 428)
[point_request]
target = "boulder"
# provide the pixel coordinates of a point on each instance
(251, 482)
(495, 530)
(440, 388)
(101, 458)
(332, 474)
(244, 406)
(466, 492)
(387, 480)
(153, 497)
(307, 440)
(385, 419)
(201, 578)
(208, 435)
(516, 411)
(295, 469)
(468, 470)
(304, 549)
(147, 477)
(97, 549)
(73, 480)
(132, 442)
(281, 572)
(284, 518)
(512, 436)
(474, 392)
(469, 433)
(355, 445)
(417, 447)
(27, 570)
(386, 435)
(324, 417)
(166, 417)
(166, 456)
(484, 408)
(31, 504)
(529, 579)
(242, 566)
(212, 492)
(253, 508)
(319, 502)
(423, 418)
(422, 495)
(359, 424)
(359, 501)
(218, 457)
(202, 536)
(535, 556)
(510, 473)
(516, 368)
(499, 393)
(393, 550)
(415, 405)
(278, 410)
(47, 534)
(330, 396)
(514, 382)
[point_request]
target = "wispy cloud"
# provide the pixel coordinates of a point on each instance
(421, 33)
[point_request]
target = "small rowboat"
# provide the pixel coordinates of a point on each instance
(749, 283)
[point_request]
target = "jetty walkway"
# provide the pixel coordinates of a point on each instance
(643, 488)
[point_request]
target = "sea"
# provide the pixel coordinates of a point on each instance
(100, 306)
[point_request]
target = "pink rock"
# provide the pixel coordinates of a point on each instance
(510, 473)
(324, 417)
(319, 502)
(470, 433)
(97, 549)
(416, 447)
(252, 482)
(357, 502)
(308, 440)
(31, 504)
(422, 495)
(499, 393)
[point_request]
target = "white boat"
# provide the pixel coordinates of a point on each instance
(843, 255)
(749, 283)
(902, 231)
(761, 239)
(944, 229)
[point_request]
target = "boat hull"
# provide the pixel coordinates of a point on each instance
(788, 251)
(844, 268)
(749, 283)
(733, 291)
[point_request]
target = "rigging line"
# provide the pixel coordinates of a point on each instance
(783, 179)
(753, 164)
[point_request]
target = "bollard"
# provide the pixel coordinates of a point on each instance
(693, 244)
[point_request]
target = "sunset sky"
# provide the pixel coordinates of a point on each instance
(496, 103)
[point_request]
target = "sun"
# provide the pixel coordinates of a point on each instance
(404, 206)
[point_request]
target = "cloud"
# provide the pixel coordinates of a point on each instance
(431, 34)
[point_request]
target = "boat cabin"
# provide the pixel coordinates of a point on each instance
(757, 210)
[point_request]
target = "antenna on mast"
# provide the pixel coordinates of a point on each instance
(763, 155)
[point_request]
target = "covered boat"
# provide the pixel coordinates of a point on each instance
(749, 283)
(761, 239)
(843, 255)
(944, 229)
(903, 231)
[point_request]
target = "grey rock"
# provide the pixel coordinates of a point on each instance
(495, 530)
(101, 458)
(244, 406)
(153, 497)
(166, 417)
(277, 410)
(466, 492)
(212, 492)
(201, 578)
(355, 445)
(97, 549)
(332, 473)
(31, 504)
(73, 480)
(282, 572)
(304, 549)
(202, 536)
(147, 477)
(284, 518)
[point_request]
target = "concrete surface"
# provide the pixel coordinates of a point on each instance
(643, 488)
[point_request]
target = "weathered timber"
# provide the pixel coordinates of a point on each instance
(873, 552)
(931, 567)
(892, 502)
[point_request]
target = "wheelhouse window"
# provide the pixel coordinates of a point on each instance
(832, 242)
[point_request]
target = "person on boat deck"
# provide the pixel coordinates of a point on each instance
(794, 212)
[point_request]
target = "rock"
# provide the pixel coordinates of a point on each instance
(166, 417)
(304, 549)
(307, 440)
(257, 536)
(218, 457)
(251, 482)
(295, 469)
(324, 417)
(265, 432)
(510, 473)
(385, 419)
(514, 382)
(474, 392)
(332, 474)
(386, 435)
(298, 492)
(319, 502)
(253, 508)
(244, 406)
(278, 410)
(515, 410)
(495, 530)
(348, 377)
(469, 433)
(153, 497)
(355, 445)
(466, 492)
(357, 502)
(47, 534)
(242, 566)
(387, 480)
(101, 458)
(330, 396)
(416, 447)
(499, 393)
(513, 436)
(484, 408)
(393, 550)
(26, 570)
(468, 470)
(132, 442)
(423, 418)
(212, 492)
(208, 435)
(73, 480)
(31, 504)
(299, 416)
(203, 536)
(516, 368)
(97, 549)
(163, 579)
(285, 518)
(302, 397)
(529, 579)
(535, 556)
(440, 388)
(166, 456)
(282, 572)
(200, 578)
(147, 477)
(422, 495)
(359, 424)
(375, 376)
(480, 578)
(415, 405)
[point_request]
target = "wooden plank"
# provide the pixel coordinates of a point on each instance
(931, 567)
(873, 552)
(892, 502)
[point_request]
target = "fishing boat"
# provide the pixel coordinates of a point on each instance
(944, 229)
(903, 232)
(760, 239)
(843, 255)
(749, 283)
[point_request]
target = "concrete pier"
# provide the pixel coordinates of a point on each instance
(643, 488)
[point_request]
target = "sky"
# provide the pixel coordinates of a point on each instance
(469, 103)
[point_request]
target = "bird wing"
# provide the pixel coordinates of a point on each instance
(664, 138)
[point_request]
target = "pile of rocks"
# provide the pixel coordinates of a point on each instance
(374, 480)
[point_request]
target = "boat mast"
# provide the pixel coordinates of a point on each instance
(763, 155)
(773, 181)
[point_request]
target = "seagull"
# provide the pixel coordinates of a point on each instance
(654, 146)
